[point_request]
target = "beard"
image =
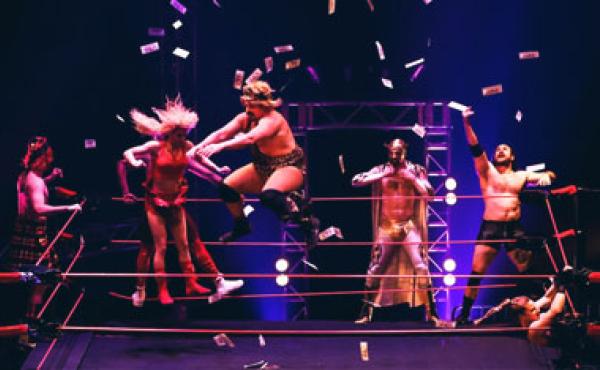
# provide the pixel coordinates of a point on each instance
(506, 162)
(396, 160)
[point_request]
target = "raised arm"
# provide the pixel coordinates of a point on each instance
(224, 133)
(479, 156)
(34, 187)
(540, 178)
(373, 175)
(131, 155)
(547, 298)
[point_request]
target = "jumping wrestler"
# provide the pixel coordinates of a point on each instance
(500, 186)
(397, 217)
(277, 166)
(166, 186)
(198, 248)
(29, 239)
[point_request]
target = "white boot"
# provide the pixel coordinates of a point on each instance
(139, 296)
(224, 287)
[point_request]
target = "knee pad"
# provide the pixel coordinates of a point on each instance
(275, 200)
(228, 194)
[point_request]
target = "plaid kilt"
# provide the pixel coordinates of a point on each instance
(28, 243)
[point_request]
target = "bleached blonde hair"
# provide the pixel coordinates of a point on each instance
(259, 93)
(174, 115)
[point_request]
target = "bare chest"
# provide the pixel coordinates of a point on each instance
(396, 186)
(505, 183)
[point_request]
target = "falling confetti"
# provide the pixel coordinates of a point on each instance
(519, 116)
(414, 63)
(238, 79)
(182, 53)
(283, 49)
(295, 63)
(177, 24)
(380, 50)
(179, 6)
(149, 48)
(492, 90)
(531, 54)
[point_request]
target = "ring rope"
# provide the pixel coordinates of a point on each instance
(291, 276)
(334, 244)
(65, 322)
(121, 329)
(57, 287)
(58, 235)
(318, 294)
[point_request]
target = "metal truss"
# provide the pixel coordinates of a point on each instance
(396, 116)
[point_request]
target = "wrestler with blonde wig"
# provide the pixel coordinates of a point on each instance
(166, 186)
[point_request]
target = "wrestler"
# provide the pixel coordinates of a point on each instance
(277, 167)
(29, 239)
(397, 219)
(144, 256)
(500, 186)
(166, 186)
(538, 315)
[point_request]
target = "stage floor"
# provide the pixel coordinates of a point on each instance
(86, 350)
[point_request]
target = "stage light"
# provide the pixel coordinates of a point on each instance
(450, 184)
(451, 199)
(449, 265)
(282, 265)
(449, 280)
(282, 280)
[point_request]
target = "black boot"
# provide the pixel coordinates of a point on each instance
(366, 311)
(311, 227)
(241, 227)
(465, 312)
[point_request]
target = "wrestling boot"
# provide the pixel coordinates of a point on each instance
(366, 311)
(163, 291)
(224, 287)
(139, 296)
(309, 223)
(241, 227)
(191, 285)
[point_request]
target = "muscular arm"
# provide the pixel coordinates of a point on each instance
(35, 188)
(122, 174)
(224, 133)
(540, 178)
(481, 161)
(131, 155)
(373, 175)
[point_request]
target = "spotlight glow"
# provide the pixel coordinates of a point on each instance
(282, 265)
(282, 280)
(449, 280)
(450, 184)
(451, 199)
(449, 265)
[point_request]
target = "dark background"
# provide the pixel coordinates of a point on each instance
(70, 66)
